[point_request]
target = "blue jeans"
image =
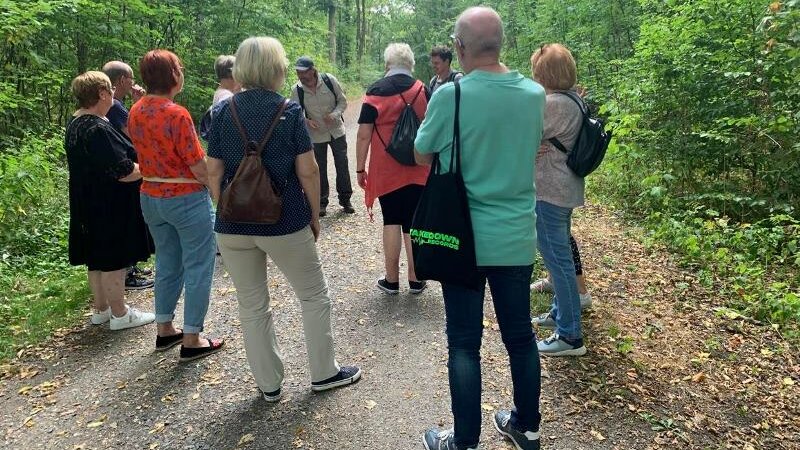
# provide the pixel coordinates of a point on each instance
(182, 231)
(464, 315)
(552, 233)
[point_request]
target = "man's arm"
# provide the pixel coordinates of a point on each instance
(422, 159)
(341, 97)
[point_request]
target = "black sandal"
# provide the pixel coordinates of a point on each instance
(189, 354)
(164, 343)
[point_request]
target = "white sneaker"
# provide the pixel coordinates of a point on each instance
(132, 318)
(586, 300)
(542, 285)
(99, 318)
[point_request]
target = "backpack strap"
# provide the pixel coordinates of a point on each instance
(584, 110)
(432, 83)
(375, 128)
(327, 80)
(252, 145)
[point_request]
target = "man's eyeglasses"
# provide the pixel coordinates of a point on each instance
(457, 40)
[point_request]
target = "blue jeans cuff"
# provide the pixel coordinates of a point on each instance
(192, 329)
(164, 318)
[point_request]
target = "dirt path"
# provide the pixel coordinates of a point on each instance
(663, 371)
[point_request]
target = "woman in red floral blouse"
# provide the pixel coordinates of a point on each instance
(175, 204)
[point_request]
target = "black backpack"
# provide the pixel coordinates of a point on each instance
(450, 79)
(401, 145)
(325, 79)
(591, 144)
(205, 123)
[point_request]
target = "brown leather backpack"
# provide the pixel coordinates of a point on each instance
(251, 196)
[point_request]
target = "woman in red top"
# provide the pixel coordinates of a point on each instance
(396, 186)
(175, 204)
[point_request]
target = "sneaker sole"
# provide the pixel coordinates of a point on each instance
(272, 398)
(347, 381)
(131, 325)
(417, 291)
(138, 288)
(580, 351)
(388, 291)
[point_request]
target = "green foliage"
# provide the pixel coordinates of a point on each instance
(39, 291)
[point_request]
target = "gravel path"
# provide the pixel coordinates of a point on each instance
(89, 388)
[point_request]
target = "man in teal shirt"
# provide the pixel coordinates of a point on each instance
(501, 125)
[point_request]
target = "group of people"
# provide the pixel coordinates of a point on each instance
(148, 188)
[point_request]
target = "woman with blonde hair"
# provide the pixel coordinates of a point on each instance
(397, 187)
(558, 192)
(288, 157)
(106, 230)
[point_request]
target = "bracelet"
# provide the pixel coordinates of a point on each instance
(360, 171)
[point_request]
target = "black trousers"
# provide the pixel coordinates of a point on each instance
(343, 186)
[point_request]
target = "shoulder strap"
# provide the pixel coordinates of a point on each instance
(455, 158)
(558, 144)
(578, 101)
(327, 80)
(251, 145)
(415, 95)
(432, 83)
(301, 97)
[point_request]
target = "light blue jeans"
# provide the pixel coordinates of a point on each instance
(553, 225)
(182, 229)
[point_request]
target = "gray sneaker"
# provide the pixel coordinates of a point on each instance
(544, 321)
(586, 300)
(435, 439)
(556, 345)
(528, 440)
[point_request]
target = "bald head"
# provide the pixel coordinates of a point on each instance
(480, 31)
(116, 70)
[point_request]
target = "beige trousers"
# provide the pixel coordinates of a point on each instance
(295, 254)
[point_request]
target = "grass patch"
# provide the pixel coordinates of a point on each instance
(31, 308)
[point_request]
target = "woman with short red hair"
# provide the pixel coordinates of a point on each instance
(175, 204)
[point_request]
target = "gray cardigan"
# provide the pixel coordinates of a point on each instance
(555, 182)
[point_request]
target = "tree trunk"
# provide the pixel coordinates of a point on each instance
(332, 31)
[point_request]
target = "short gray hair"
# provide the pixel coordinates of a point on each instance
(260, 62)
(399, 55)
(115, 70)
(223, 66)
(480, 30)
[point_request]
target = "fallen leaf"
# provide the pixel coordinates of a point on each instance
(699, 377)
(246, 439)
(157, 428)
(597, 435)
(97, 422)
(369, 404)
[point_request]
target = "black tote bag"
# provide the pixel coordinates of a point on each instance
(441, 230)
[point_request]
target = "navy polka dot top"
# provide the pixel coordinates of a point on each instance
(290, 138)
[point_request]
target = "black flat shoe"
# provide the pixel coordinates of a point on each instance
(164, 343)
(190, 353)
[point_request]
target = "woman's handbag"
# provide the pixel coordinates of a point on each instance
(251, 196)
(441, 231)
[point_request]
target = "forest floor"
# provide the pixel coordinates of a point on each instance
(668, 366)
